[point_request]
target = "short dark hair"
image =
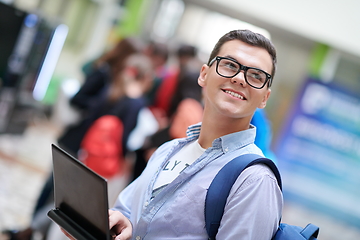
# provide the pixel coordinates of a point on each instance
(251, 38)
(159, 49)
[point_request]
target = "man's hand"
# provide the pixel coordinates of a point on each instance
(120, 225)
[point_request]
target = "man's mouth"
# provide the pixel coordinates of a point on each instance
(234, 94)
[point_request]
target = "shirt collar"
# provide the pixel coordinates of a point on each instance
(228, 142)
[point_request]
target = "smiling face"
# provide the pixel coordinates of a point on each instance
(232, 99)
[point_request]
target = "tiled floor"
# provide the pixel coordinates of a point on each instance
(25, 161)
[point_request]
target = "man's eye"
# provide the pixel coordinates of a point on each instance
(230, 65)
(256, 75)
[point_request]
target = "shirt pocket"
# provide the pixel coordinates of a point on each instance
(185, 213)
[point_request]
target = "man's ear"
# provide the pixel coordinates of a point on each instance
(202, 75)
(265, 98)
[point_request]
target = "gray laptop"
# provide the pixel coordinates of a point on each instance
(81, 200)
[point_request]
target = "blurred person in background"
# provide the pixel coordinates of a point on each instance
(124, 98)
(98, 74)
(263, 133)
(159, 55)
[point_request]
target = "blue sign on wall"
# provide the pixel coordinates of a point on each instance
(319, 151)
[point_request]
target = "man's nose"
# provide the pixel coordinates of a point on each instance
(239, 78)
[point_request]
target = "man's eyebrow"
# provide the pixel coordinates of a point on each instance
(232, 58)
(229, 56)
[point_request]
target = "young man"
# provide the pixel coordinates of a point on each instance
(167, 200)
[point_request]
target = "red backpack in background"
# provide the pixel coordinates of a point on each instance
(101, 147)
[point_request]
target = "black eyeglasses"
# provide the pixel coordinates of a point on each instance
(229, 68)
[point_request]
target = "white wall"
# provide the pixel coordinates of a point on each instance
(331, 22)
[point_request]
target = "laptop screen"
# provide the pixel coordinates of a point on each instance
(80, 193)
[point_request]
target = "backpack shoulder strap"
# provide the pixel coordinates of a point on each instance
(221, 185)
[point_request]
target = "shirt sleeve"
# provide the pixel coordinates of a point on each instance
(123, 202)
(254, 206)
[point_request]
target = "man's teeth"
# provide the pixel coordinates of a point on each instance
(235, 94)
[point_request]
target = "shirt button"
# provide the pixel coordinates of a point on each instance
(146, 204)
(226, 149)
(138, 238)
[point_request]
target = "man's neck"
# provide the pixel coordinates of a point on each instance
(213, 128)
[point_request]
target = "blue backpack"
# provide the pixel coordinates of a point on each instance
(219, 190)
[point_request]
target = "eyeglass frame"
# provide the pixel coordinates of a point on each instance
(242, 67)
